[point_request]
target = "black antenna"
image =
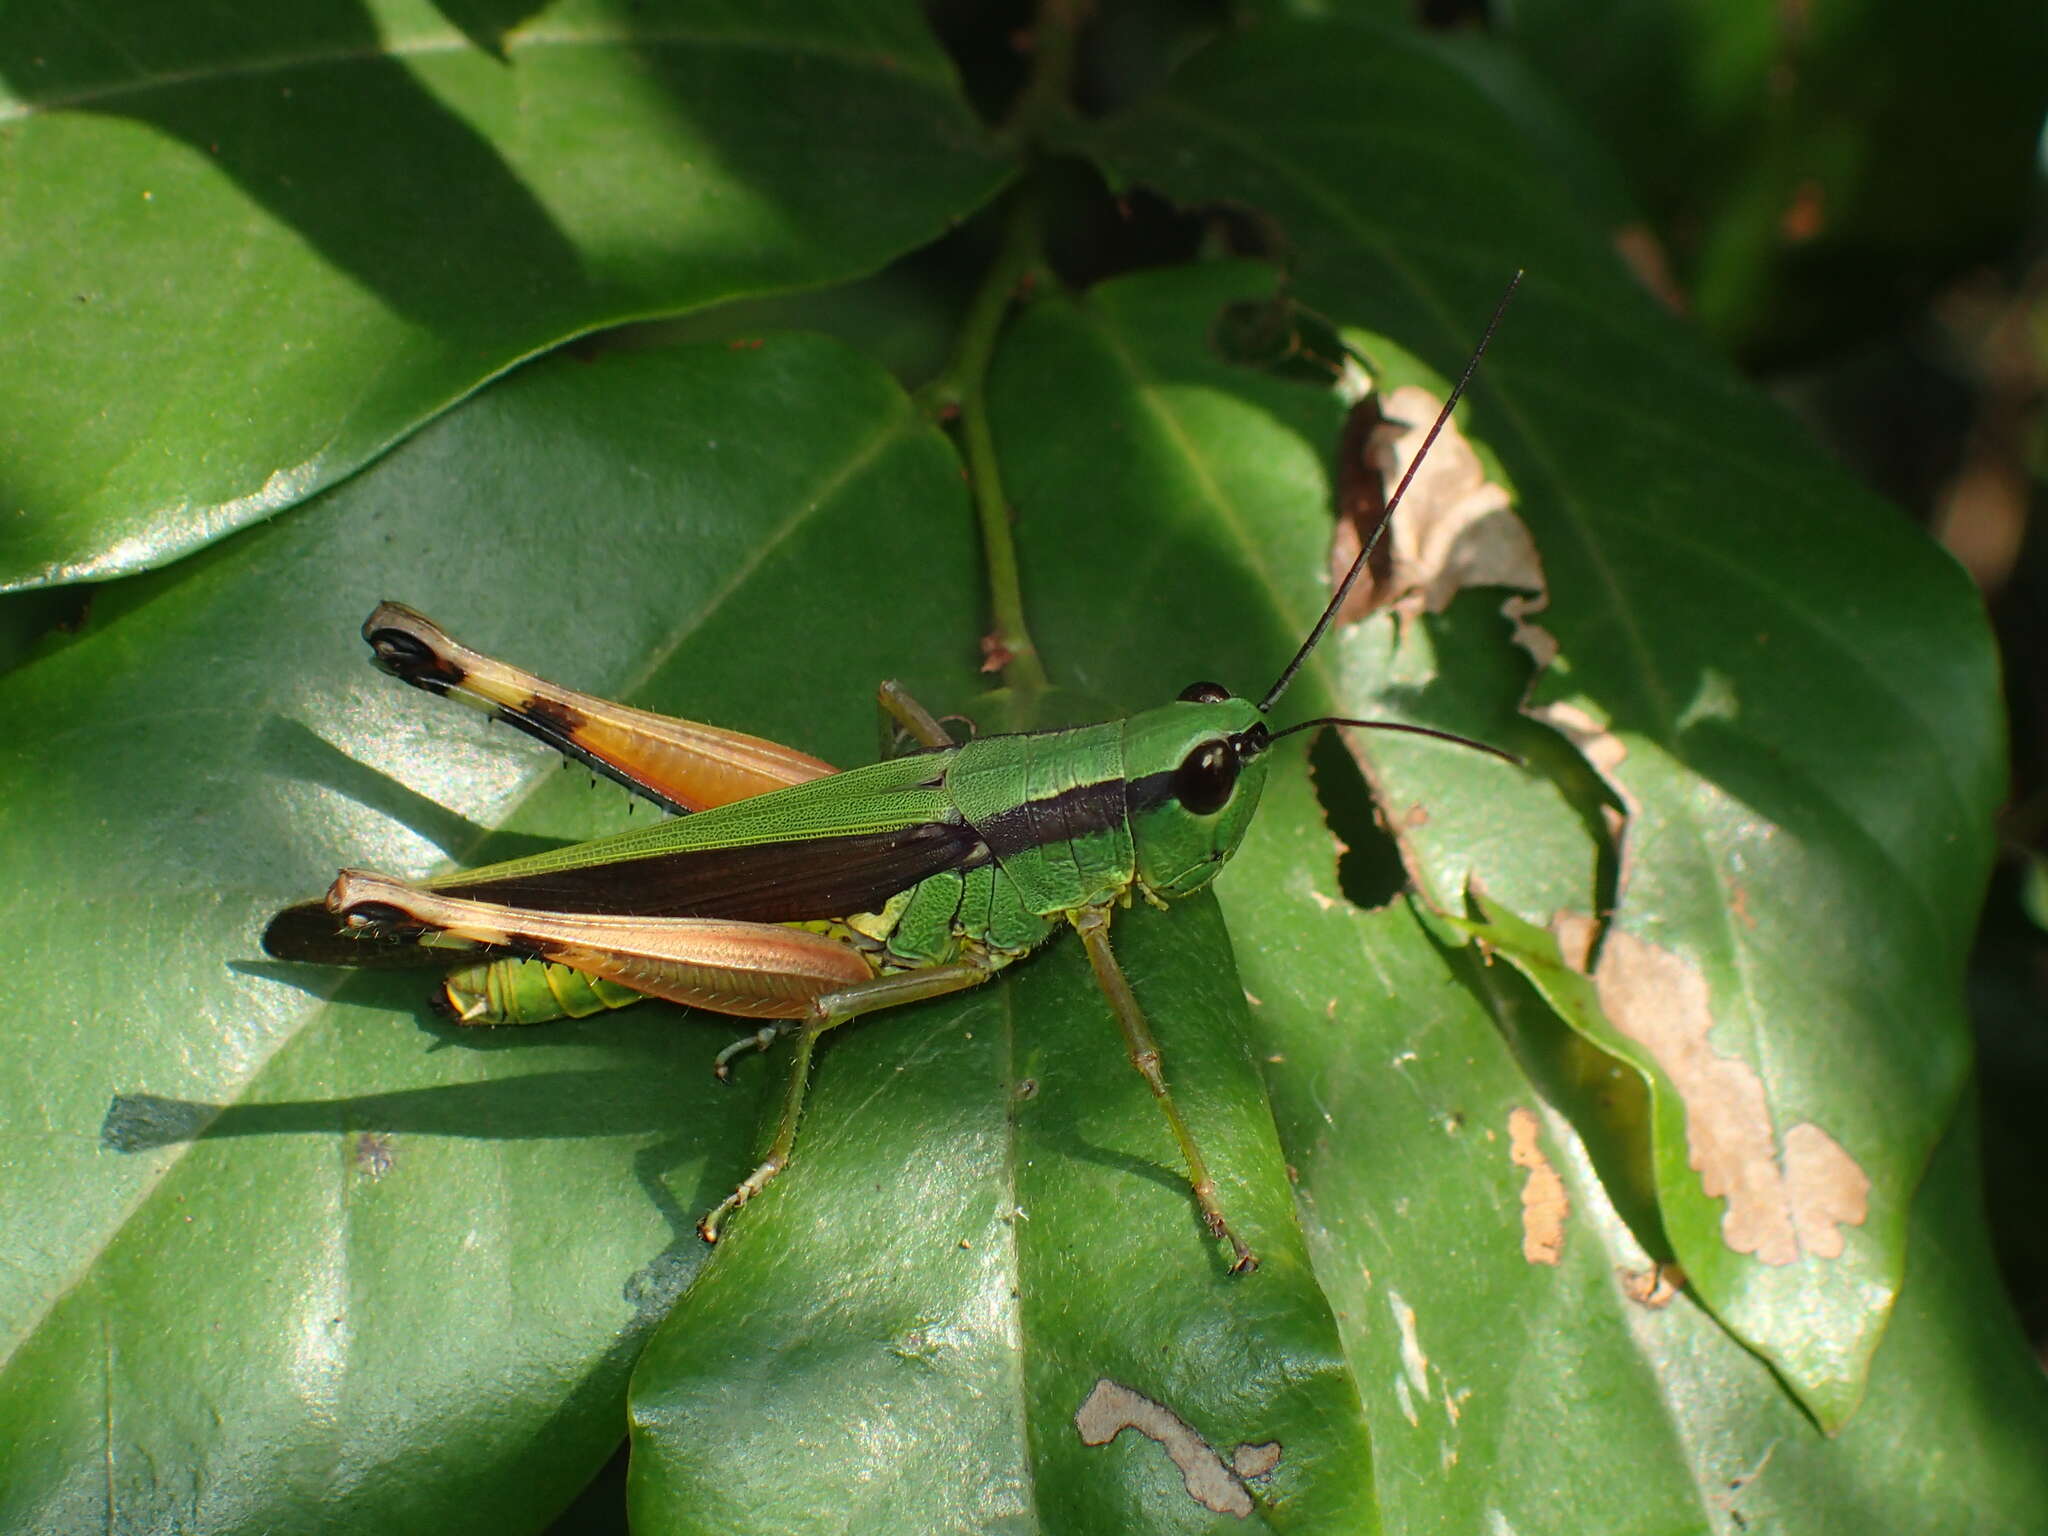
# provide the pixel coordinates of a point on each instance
(1399, 725)
(1357, 566)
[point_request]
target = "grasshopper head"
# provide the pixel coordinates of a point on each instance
(1196, 767)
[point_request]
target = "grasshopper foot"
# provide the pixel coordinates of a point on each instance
(759, 1040)
(1243, 1260)
(750, 1186)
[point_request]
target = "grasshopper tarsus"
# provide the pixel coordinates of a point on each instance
(1242, 1261)
(759, 1040)
(714, 1220)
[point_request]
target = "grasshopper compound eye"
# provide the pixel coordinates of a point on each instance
(1206, 776)
(1204, 693)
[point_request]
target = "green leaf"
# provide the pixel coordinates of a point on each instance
(1804, 192)
(1799, 690)
(986, 1215)
(985, 1219)
(302, 1258)
(293, 1256)
(245, 252)
(1580, 1394)
(1508, 1368)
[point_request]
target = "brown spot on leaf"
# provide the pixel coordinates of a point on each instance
(1826, 1188)
(1598, 745)
(1602, 749)
(1454, 528)
(1544, 1202)
(1738, 906)
(1656, 1287)
(1575, 937)
(1255, 1460)
(1112, 1408)
(1362, 486)
(1785, 1202)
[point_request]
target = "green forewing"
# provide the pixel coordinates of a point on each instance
(827, 848)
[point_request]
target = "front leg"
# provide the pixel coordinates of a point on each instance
(903, 716)
(1092, 923)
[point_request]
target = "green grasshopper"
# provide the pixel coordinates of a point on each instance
(807, 897)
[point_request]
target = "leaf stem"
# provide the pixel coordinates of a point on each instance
(964, 384)
(1047, 94)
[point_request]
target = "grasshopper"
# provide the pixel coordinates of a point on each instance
(807, 897)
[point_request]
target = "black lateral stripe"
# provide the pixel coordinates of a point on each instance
(1072, 813)
(784, 882)
(1150, 792)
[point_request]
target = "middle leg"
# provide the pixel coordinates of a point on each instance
(1092, 923)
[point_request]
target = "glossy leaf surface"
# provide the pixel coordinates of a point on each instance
(244, 252)
(301, 1250)
(296, 1256)
(1415, 1126)
(987, 1218)
(1784, 758)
